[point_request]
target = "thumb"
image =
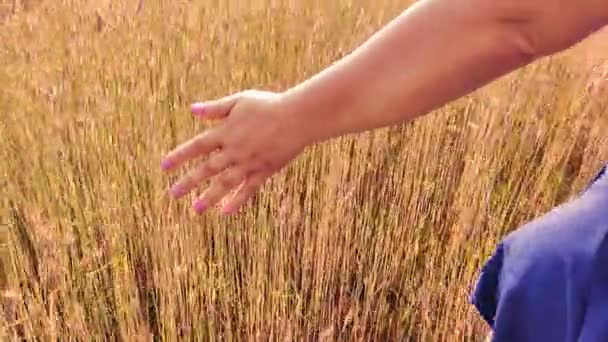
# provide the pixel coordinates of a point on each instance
(216, 109)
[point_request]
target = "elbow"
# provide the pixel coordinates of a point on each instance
(520, 41)
(514, 22)
(515, 43)
(537, 29)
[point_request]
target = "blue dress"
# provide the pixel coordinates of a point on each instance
(548, 280)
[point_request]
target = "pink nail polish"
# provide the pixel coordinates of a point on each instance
(200, 206)
(166, 164)
(198, 109)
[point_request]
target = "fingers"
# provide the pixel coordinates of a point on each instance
(230, 173)
(217, 163)
(204, 143)
(200, 145)
(246, 190)
(221, 186)
(215, 109)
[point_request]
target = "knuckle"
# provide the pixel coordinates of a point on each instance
(215, 165)
(240, 158)
(211, 169)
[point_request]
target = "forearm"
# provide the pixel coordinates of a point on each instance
(435, 52)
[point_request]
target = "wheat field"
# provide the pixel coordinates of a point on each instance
(372, 237)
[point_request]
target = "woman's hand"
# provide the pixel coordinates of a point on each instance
(255, 138)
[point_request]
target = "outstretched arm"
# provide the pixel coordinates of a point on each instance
(435, 52)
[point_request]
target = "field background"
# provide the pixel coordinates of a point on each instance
(378, 236)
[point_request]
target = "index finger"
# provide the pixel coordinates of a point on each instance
(200, 145)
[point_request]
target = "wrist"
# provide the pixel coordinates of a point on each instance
(308, 117)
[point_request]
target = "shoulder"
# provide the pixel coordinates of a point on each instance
(559, 248)
(546, 263)
(569, 235)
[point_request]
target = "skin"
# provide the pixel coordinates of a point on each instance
(393, 78)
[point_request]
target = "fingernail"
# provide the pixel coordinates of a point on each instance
(200, 206)
(165, 164)
(198, 109)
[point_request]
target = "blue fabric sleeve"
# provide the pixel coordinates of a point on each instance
(485, 295)
(595, 326)
(548, 280)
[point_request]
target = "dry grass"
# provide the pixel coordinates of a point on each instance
(373, 237)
